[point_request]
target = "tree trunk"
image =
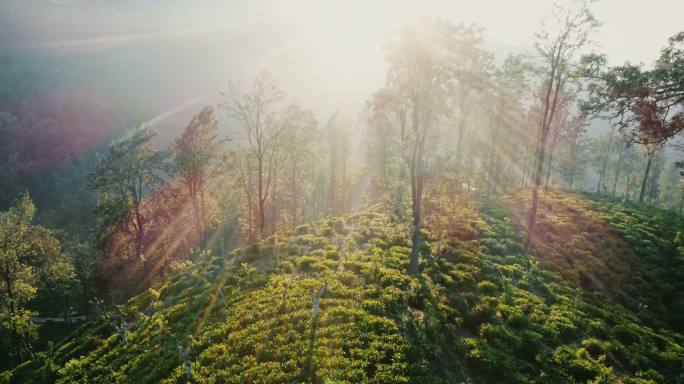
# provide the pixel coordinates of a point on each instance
(274, 193)
(14, 336)
(549, 110)
(642, 192)
(651, 191)
(192, 189)
(261, 200)
(262, 217)
(294, 194)
(490, 173)
(416, 239)
(333, 182)
(140, 242)
(416, 198)
(532, 218)
(548, 168)
(250, 220)
(617, 169)
(491, 169)
(462, 126)
(140, 233)
(573, 163)
(572, 180)
(604, 164)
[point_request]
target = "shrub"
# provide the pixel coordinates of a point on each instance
(486, 287)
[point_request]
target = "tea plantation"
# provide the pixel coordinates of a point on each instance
(598, 299)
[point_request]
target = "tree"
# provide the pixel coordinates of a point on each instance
(389, 110)
(245, 168)
(10, 129)
(605, 154)
(624, 145)
(645, 103)
(127, 172)
(679, 187)
(86, 260)
(510, 82)
(424, 62)
(573, 146)
(632, 159)
(337, 140)
(196, 161)
(302, 132)
(474, 70)
(630, 94)
(255, 110)
(566, 31)
(29, 254)
(651, 128)
(564, 124)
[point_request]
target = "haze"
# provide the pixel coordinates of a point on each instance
(329, 54)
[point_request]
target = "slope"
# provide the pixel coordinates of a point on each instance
(483, 310)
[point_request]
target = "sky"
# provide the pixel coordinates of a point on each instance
(161, 54)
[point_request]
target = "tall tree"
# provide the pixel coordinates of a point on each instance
(388, 108)
(563, 125)
(623, 144)
(650, 150)
(29, 254)
(573, 147)
(302, 132)
(474, 70)
(125, 174)
(86, 260)
(196, 160)
(337, 141)
(510, 83)
(424, 61)
(566, 31)
(647, 104)
(256, 111)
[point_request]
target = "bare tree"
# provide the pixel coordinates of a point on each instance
(428, 63)
(256, 110)
(302, 131)
(563, 33)
(510, 83)
(337, 140)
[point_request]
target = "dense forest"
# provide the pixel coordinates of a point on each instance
(469, 224)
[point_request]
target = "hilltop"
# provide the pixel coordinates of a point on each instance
(600, 301)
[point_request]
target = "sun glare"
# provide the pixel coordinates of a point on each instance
(330, 191)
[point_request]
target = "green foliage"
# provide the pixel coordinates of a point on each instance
(30, 255)
(482, 310)
(651, 233)
(124, 175)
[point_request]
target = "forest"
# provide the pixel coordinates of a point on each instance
(484, 215)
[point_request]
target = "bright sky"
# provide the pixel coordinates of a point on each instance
(326, 53)
(632, 30)
(346, 37)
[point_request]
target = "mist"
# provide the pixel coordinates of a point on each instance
(323, 191)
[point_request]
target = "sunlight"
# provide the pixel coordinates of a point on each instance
(328, 191)
(172, 111)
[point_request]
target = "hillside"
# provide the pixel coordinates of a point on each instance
(601, 306)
